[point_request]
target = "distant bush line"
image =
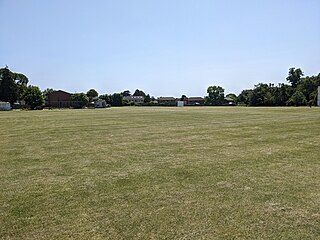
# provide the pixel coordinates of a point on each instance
(300, 91)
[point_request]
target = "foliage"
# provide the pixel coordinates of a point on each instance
(126, 93)
(46, 92)
(294, 76)
(91, 94)
(116, 99)
(302, 91)
(215, 95)
(243, 97)
(33, 97)
(139, 93)
(9, 90)
(147, 99)
(81, 98)
(233, 97)
(297, 99)
(184, 98)
(107, 98)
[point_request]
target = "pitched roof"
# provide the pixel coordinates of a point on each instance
(195, 98)
(166, 98)
(60, 91)
(228, 99)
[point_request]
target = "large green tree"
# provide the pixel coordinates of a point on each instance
(147, 99)
(294, 76)
(14, 85)
(92, 94)
(33, 97)
(297, 99)
(139, 93)
(184, 98)
(81, 98)
(9, 91)
(126, 93)
(215, 95)
(116, 99)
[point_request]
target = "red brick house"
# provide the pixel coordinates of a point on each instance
(61, 99)
(194, 101)
(167, 101)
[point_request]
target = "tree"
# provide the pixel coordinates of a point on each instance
(47, 92)
(139, 93)
(215, 95)
(9, 91)
(33, 97)
(147, 99)
(297, 99)
(309, 87)
(184, 98)
(258, 96)
(294, 76)
(91, 94)
(244, 96)
(233, 97)
(81, 98)
(116, 99)
(107, 98)
(126, 93)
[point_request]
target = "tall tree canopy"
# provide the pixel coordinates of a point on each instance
(183, 98)
(33, 97)
(126, 93)
(215, 95)
(294, 76)
(9, 90)
(139, 93)
(81, 98)
(14, 85)
(91, 94)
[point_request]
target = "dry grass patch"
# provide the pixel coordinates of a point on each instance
(160, 173)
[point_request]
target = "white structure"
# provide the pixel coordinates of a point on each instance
(180, 103)
(319, 96)
(5, 106)
(134, 99)
(100, 103)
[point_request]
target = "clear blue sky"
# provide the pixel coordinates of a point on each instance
(164, 47)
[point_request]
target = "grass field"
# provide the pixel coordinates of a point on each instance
(160, 173)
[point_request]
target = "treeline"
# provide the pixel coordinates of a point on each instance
(14, 87)
(118, 99)
(302, 91)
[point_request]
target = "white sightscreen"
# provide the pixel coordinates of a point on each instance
(319, 96)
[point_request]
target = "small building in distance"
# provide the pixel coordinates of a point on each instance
(134, 99)
(5, 106)
(61, 99)
(195, 101)
(319, 96)
(100, 103)
(167, 101)
(230, 101)
(180, 103)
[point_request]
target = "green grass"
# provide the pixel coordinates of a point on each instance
(160, 173)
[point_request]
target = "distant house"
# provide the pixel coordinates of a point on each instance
(229, 100)
(168, 101)
(134, 99)
(61, 99)
(195, 101)
(5, 106)
(100, 103)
